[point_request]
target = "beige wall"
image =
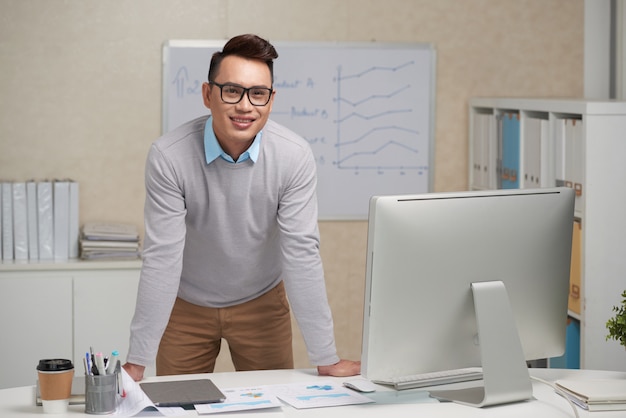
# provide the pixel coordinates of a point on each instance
(80, 89)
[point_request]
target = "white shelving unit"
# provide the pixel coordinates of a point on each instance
(593, 160)
(60, 310)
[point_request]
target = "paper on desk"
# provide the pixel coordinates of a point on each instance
(137, 404)
(241, 399)
(317, 395)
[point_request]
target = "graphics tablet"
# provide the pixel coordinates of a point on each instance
(183, 393)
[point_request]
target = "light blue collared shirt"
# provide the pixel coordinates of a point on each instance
(213, 149)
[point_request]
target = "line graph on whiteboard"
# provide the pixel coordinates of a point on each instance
(384, 131)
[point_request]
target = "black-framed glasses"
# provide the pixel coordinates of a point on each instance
(233, 93)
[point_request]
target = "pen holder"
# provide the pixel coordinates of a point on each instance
(100, 394)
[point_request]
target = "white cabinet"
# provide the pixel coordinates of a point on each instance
(575, 143)
(61, 310)
(35, 322)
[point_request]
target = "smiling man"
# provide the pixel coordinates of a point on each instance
(231, 230)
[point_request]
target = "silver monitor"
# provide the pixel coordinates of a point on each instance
(426, 257)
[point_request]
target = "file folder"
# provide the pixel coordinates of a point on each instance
(483, 152)
(61, 214)
(477, 152)
(510, 150)
(575, 270)
(537, 153)
(559, 152)
(20, 227)
(578, 153)
(73, 220)
(7, 221)
(532, 139)
(45, 221)
(31, 208)
(571, 358)
(547, 154)
(569, 153)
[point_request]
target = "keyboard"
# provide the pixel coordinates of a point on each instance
(433, 378)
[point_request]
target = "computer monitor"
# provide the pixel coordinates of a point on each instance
(436, 261)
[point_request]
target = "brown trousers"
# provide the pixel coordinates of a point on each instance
(258, 333)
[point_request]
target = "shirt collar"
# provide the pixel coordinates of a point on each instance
(213, 149)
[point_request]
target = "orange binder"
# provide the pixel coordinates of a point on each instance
(575, 267)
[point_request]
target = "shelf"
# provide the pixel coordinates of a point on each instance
(576, 143)
(73, 264)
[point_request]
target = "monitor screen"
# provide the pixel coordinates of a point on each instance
(425, 251)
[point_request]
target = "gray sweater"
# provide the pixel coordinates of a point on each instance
(220, 234)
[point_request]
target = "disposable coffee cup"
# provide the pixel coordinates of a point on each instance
(55, 384)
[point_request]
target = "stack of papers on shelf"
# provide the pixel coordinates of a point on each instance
(595, 394)
(104, 240)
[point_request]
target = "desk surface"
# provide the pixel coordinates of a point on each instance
(19, 402)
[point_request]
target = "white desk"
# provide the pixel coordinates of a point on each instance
(19, 402)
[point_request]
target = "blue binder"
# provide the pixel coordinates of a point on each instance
(510, 138)
(571, 358)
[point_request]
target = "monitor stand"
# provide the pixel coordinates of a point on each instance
(505, 373)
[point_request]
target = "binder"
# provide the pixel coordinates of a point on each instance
(570, 157)
(484, 158)
(571, 358)
(73, 221)
(537, 154)
(510, 150)
(569, 153)
(7, 221)
(31, 209)
(573, 303)
(532, 157)
(499, 152)
(45, 221)
(61, 215)
(20, 227)
(559, 152)
(477, 152)
(489, 151)
(547, 154)
(578, 154)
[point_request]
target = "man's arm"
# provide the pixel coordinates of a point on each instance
(163, 246)
(303, 271)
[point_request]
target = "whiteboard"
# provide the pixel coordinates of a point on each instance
(366, 109)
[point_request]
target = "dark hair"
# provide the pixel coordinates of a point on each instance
(246, 46)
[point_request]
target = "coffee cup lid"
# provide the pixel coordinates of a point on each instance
(54, 365)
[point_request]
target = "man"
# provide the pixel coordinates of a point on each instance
(231, 224)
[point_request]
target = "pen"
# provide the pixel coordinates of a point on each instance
(88, 364)
(94, 368)
(120, 379)
(100, 364)
(112, 365)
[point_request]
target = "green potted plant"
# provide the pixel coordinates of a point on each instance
(617, 324)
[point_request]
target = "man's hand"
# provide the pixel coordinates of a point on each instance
(134, 370)
(343, 368)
